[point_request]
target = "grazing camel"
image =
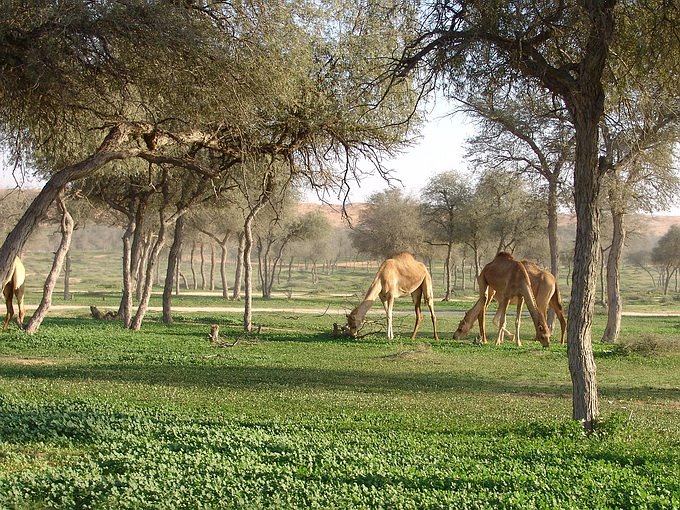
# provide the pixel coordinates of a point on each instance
(547, 294)
(14, 286)
(509, 279)
(396, 277)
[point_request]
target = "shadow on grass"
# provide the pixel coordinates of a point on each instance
(270, 378)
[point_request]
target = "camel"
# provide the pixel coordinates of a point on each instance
(507, 278)
(396, 277)
(546, 292)
(14, 286)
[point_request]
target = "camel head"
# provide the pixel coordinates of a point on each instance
(353, 324)
(463, 327)
(462, 330)
(543, 333)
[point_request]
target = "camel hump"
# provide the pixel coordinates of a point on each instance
(504, 255)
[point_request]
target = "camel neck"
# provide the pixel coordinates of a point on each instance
(362, 309)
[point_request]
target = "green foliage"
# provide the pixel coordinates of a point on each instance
(92, 416)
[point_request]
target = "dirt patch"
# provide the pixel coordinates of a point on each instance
(419, 351)
(13, 360)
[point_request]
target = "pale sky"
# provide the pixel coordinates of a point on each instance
(439, 149)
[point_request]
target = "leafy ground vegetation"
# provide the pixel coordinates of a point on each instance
(93, 416)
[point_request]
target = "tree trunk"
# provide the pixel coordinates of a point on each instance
(67, 277)
(267, 187)
(447, 270)
(140, 262)
(51, 281)
(238, 273)
(212, 266)
(125, 309)
(173, 258)
(611, 332)
(587, 180)
(192, 257)
(247, 270)
(136, 323)
(553, 241)
(602, 287)
(223, 269)
(201, 266)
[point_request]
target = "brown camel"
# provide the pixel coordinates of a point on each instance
(397, 276)
(547, 294)
(14, 286)
(509, 279)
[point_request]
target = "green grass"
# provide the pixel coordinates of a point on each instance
(92, 416)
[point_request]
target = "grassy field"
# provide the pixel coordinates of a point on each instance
(92, 416)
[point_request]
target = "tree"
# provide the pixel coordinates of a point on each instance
(278, 237)
(564, 48)
(445, 199)
(529, 134)
(639, 133)
(228, 81)
(513, 214)
(390, 224)
(666, 253)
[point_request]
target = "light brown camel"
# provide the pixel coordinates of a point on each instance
(14, 286)
(509, 279)
(547, 294)
(396, 277)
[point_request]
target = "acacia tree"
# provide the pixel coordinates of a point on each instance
(445, 199)
(530, 134)
(248, 80)
(639, 133)
(390, 223)
(666, 254)
(277, 237)
(564, 48)
(512, 214)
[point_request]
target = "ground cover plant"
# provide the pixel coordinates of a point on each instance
(92, 416)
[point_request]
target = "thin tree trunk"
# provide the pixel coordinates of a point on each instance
(173, 258)
(51, 281)
(553, 240)
(267, 187)
(125, 309)
(192, 257)
(238, 273)
(447, 271)
(212, 266)
(67, 277)
(611, 332)
(202, 266)
(223, 269)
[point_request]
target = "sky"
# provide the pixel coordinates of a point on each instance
(440, 148)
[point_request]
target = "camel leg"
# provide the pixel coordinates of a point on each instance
(430, 305)
(518, 320)
(417, 295)
(19, 293)
(499, 320)
(388, 303)
(559, 313)
(488, 296)
(8, 292)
